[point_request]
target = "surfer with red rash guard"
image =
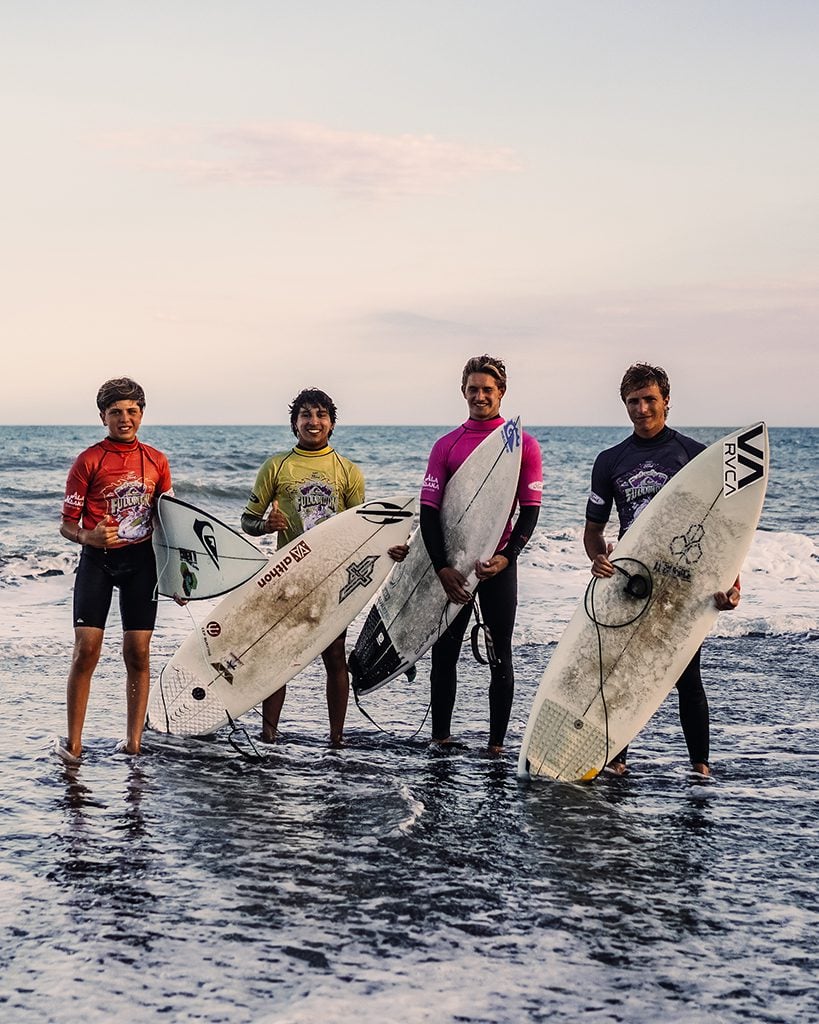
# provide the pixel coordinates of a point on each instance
(301, 487)
(628, 476)
(110, 495)
(483, 385)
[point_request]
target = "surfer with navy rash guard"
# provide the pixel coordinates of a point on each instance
(628, 476)
(302, 487)
(110, 495)
(483, 385)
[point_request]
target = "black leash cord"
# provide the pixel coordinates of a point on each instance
(642, 591)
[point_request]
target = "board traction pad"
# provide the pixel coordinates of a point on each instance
(565, 744)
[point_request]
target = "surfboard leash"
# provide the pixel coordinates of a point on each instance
(167, 562)
(480, 626)
(637, 586)
(239, 730)
(590, 595)
(389, 732)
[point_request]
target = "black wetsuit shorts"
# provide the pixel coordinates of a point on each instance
(132, 570)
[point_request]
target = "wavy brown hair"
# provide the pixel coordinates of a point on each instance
(643, 375)
(490, 365)
(120, 389)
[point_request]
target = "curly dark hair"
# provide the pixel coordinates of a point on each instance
(643, 375)
(119, 389)
(485, 364)
(311, 398)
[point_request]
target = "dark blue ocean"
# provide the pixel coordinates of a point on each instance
(384, 881)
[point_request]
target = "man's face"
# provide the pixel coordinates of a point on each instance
(313, 427)
(122, 419)
(647, 410)
(483, 396)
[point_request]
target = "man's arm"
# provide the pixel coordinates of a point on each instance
(518, 539)
(597, 548)
(432, 535)
(254, 521)
(257, 526)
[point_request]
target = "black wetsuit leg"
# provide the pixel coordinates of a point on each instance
(498, 598)
(443, 676)
(694, 715)
(498, 604)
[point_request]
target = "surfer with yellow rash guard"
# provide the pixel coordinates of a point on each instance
(296, 490)
(628, 476)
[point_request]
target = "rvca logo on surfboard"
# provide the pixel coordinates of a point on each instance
(741, 452)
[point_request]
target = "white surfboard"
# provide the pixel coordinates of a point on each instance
(197, 556)
(262, 634)
(629, 641)
(411, 610)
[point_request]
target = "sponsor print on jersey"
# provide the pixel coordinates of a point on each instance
(640, 487)
(743, 462)
(536, 485)
(430, 483)
(315, 502)
(645, 483)
(129, 503)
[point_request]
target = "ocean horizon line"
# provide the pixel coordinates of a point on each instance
(442, 425)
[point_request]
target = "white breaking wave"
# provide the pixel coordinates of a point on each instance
(780, 587)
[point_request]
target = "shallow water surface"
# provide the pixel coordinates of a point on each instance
(192, 883)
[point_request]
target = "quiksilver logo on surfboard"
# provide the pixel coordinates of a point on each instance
(204, 531)
(742, 453)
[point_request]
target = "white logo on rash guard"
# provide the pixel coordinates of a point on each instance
(536, 485)
(595, 499)
(74, 500)
(430, 483)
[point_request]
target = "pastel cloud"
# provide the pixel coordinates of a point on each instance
(348, 162)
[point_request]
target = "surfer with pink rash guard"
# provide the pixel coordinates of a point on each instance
(483, 385)
(628, 476)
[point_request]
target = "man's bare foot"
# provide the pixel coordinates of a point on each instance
(616, 768)
(122, 748)
(337, 742)
(446, 744)
(496, 749)
(267, 737)
(65, 753)
(701, 768)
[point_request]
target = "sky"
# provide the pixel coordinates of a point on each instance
(230, 201)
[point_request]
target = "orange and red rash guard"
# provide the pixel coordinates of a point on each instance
(119, 480)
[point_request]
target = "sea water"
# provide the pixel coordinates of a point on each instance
(199, 882)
